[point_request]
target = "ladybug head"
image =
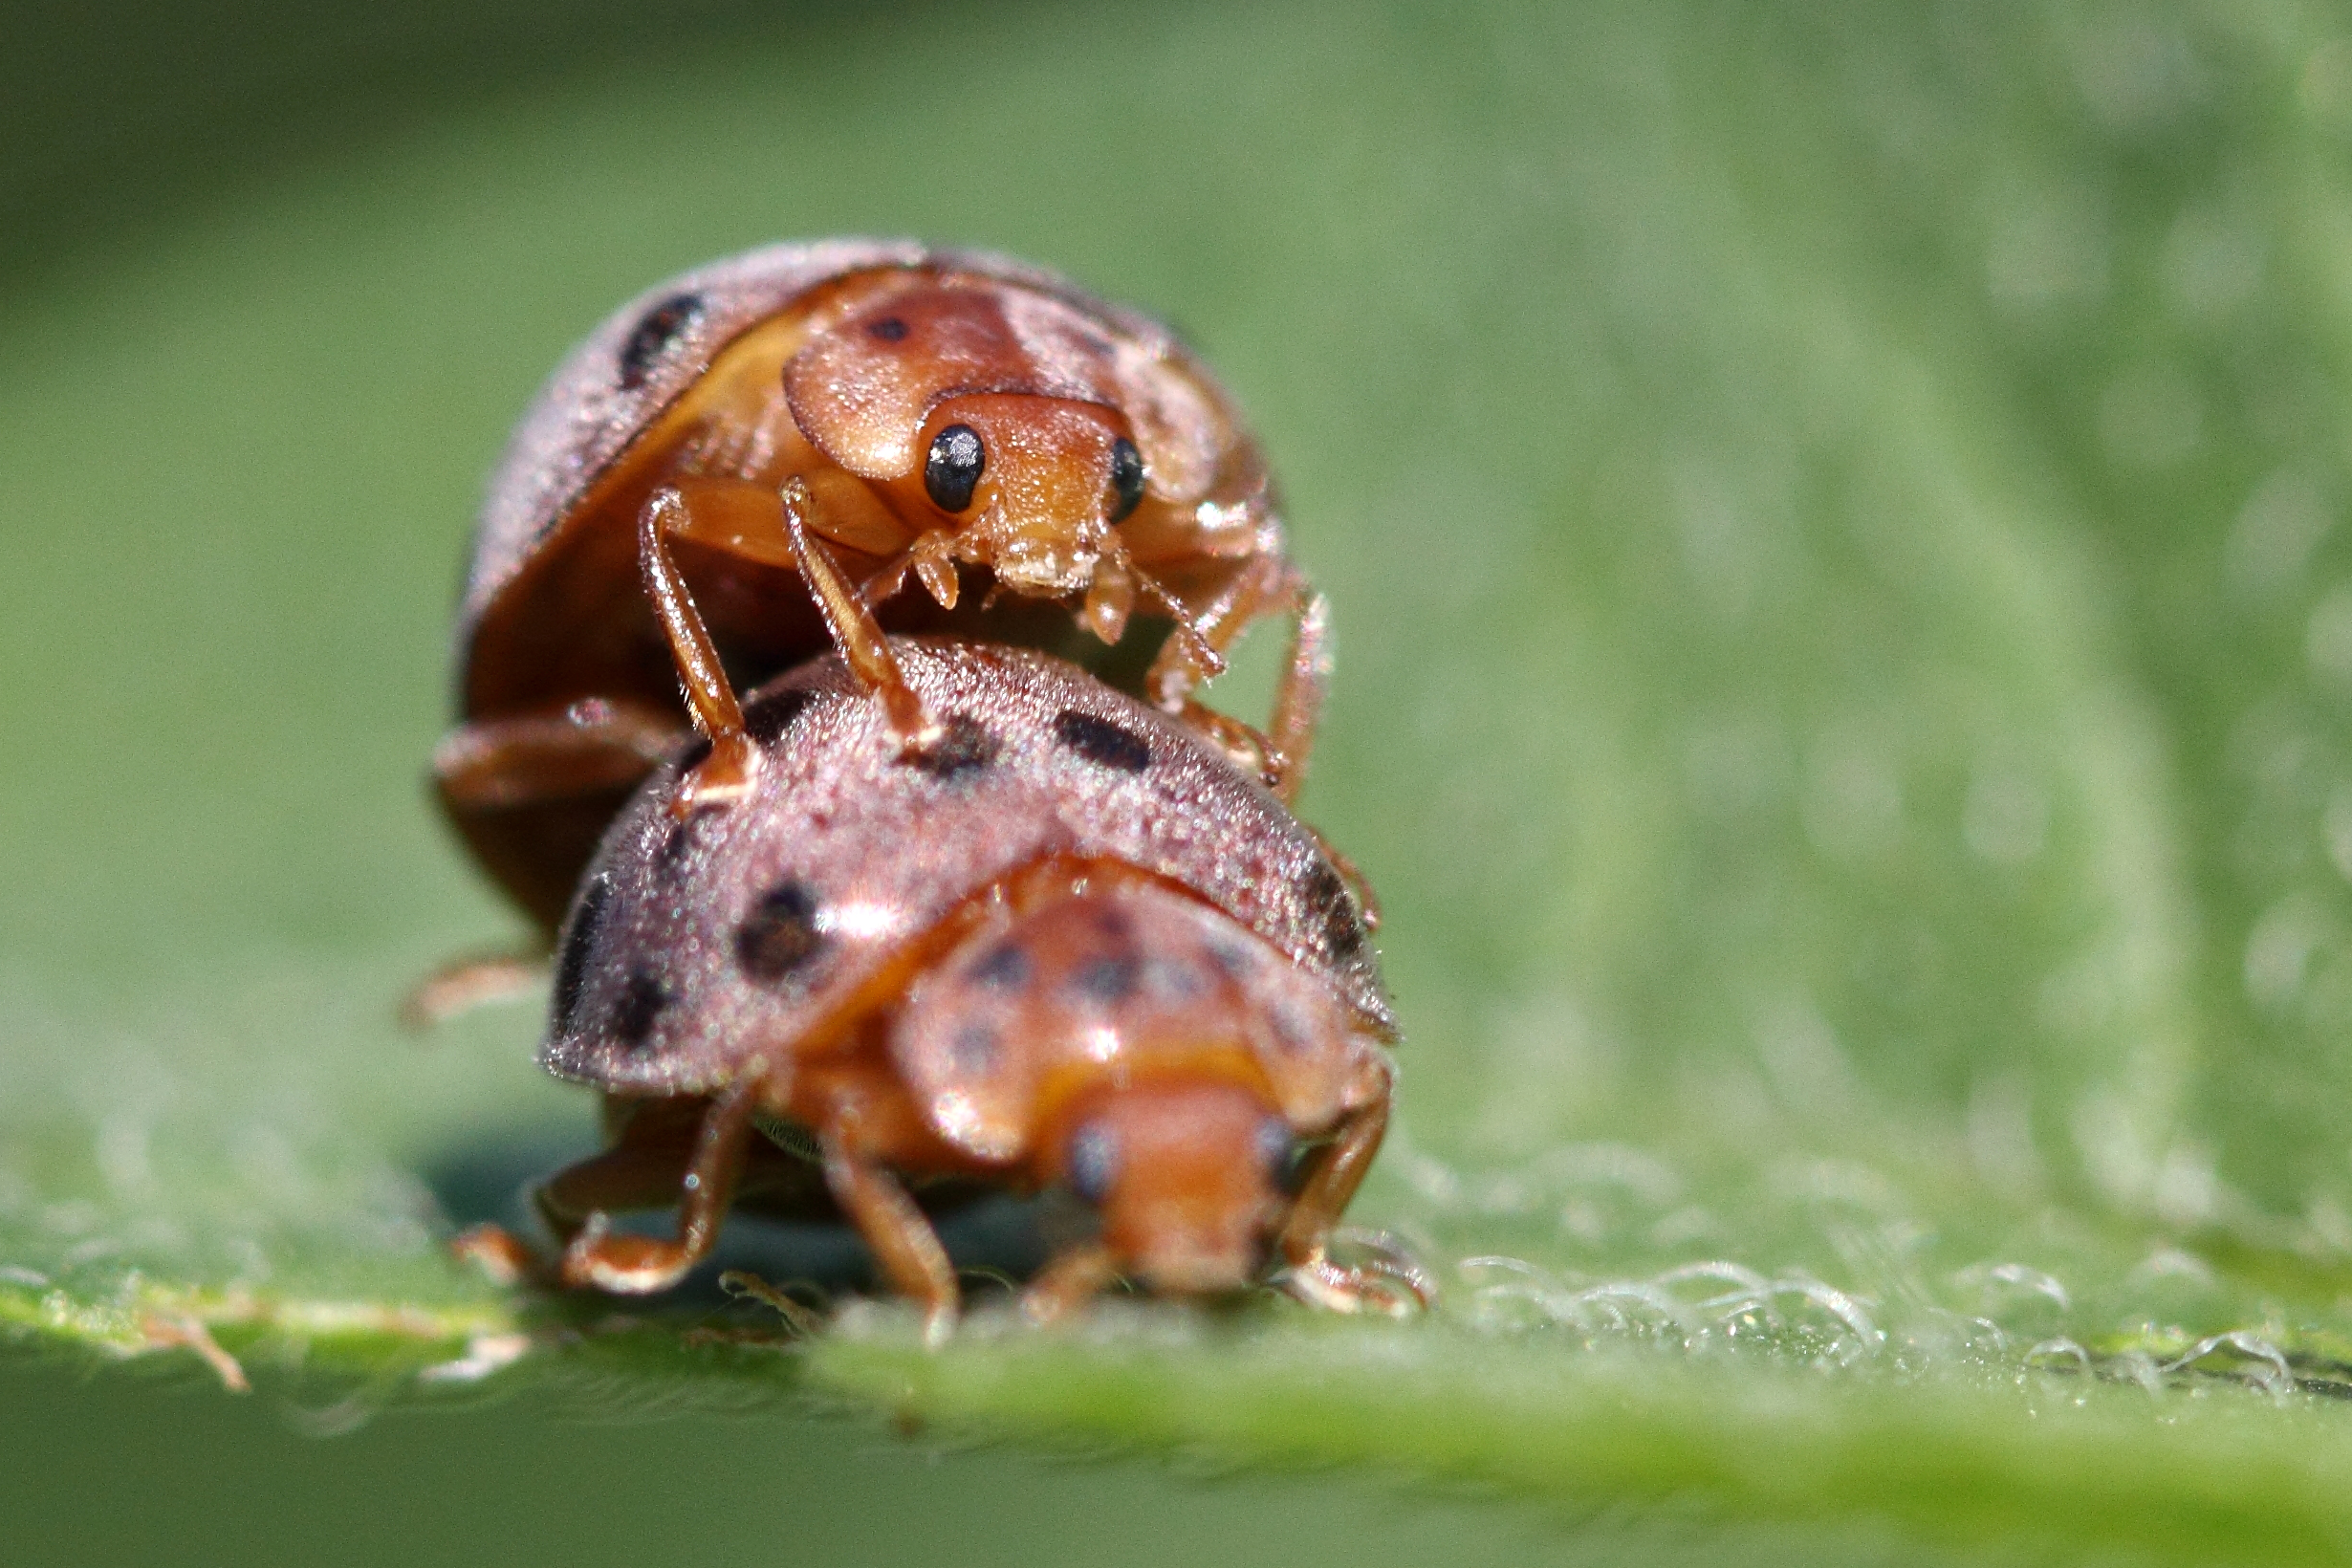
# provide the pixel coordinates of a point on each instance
(989, 412)
(1034, 484)
(1188, 1176)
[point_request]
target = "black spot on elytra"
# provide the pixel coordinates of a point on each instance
(651, 337)
(579, 936)
(963, 746)
(1233, 962)
(642, 1003)
(779, 936)
(675, 843)
(1108, 981)
(890, 329)
(769, 717)
(975, 1050)
(1177, 979)
(1004, 967)
(1326, 896)
(1290, 1031)
(1101, 741)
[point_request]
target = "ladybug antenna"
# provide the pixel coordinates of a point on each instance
(1203, 657)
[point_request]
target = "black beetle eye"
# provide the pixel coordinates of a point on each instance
(955, 467)
(1094, 1162)
(1126, 479)
(1278, 1151)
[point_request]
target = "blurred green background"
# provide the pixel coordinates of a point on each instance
(1845, 646)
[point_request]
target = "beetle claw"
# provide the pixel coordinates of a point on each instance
(624, 1265)
(939, 1325)
(498, 1252)
(1388, 1283)
(720, 779)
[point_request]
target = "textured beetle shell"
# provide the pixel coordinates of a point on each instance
(843, 853)
(583, 418)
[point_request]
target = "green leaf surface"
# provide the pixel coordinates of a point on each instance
(1832, 513)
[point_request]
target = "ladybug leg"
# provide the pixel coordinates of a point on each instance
(1268, 585)
(1299, 699)
(592, 746)
(727, 773)
(475, 980)
(1068, 1283)
(634, 1174)
(1384, 1285)
(531, 794)
(855, 632)
(650, 1144)
(904, 1243)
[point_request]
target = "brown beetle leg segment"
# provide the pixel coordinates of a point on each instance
(1268, 586)
(632, 1174)
(531, 792)
(854, 629)
(1068, 1283)
(904, 1243)
(1298, 700)
(499, 1254)
(464, 984)
(1305, 1243)
(593, 745)
(727, 772)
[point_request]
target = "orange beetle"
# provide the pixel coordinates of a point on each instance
(1037, 461)
(1067, 948)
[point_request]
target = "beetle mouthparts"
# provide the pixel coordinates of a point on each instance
(1045, 570)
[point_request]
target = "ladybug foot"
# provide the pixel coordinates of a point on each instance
(1067, 1284)
(720, 779)
(499, 1254)
(1390, 1284)
(626, 1265)
(939, 1321)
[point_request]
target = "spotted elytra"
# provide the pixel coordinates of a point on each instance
(1069, 945)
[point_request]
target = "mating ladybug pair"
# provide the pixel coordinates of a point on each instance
(935, 910)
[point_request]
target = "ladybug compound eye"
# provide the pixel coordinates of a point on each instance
(1126, 479)
(1094, 1162)
(955, 467)
(1279, 1154)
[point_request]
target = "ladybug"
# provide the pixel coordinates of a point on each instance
(1067, 948)
(976, 446)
